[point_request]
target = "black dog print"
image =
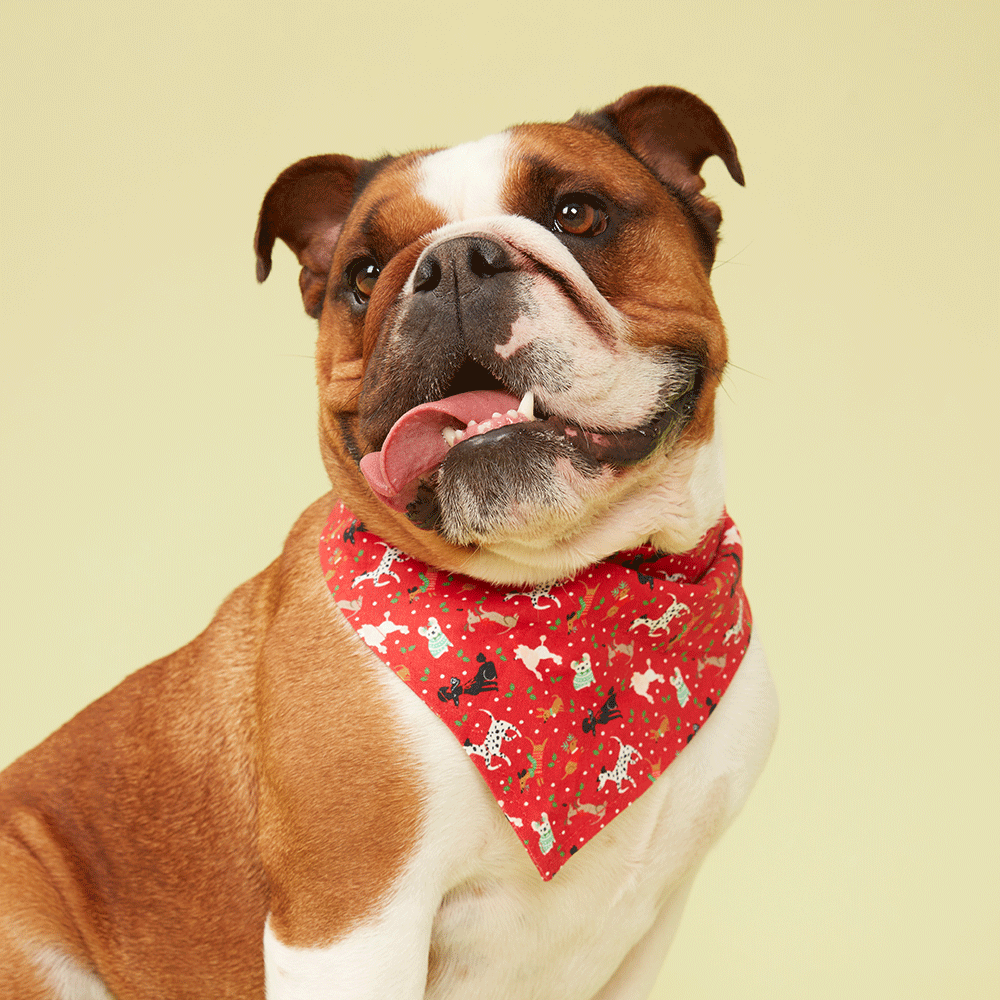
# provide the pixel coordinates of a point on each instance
(485, 680)
(609, 710)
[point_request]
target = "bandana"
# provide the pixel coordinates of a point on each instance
(570, 698)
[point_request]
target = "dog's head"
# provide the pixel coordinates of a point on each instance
(518, 346)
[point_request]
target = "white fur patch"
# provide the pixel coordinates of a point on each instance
(465, 181)
(67, 978)
(372, 962)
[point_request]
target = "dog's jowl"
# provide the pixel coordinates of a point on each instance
(474, 730)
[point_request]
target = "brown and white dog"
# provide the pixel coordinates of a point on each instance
(269, 809)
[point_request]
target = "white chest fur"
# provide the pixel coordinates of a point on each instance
(471, 917)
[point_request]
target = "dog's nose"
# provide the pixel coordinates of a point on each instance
(464, 261)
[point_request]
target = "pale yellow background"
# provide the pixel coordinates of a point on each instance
(159, 408)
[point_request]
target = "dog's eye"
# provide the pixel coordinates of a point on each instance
(361, 276)
(580, 215)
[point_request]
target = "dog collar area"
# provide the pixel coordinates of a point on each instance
(570, 698)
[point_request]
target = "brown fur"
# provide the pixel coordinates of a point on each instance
(106, 807)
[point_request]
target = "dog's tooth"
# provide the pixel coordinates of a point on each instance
(511, 414)
(498, 416)
(449, 434)
(527, 406)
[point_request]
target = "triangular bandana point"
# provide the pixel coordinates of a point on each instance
(570, 698)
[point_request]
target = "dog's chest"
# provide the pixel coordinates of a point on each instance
(500, 930)
(507, 934)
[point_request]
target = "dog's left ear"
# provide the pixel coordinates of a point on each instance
(306, 207)
(672, 132)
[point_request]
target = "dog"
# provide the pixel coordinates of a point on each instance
(517, 361)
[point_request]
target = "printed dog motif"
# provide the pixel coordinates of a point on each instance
(532, 657)
(546, 840)
(620, 649)
(640, 682)
(473, 619)
(485, 680)
(737, 628)
(350, 606)
(499, 733)
(534, 760)
(584, 671)
(391, 556)
(683, 691)
(537, 596)
(609, 710)
(594, 809)
(717, 663)
(546, 714)
(575, 618)
(375, 635)
(437, 641)
(626, 755)
(658, 625)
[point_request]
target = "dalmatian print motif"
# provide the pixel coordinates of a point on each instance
(384, 568)
(566, 744)
(499, 732)
(661, 624)
(536, 597)
(626, 755)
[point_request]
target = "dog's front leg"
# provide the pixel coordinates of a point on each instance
(635, 977)
(341, 815)
(351, 912)
(343, 923)
(384, 958)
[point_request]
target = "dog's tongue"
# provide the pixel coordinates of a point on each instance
(415, 444)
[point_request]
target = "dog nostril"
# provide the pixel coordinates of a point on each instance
(428, 275)
(487, 258)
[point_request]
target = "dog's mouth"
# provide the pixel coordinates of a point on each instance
(480, 413)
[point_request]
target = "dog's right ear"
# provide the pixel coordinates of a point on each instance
(306, 207)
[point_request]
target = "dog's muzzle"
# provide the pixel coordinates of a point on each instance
(452, 397)
(491, 427)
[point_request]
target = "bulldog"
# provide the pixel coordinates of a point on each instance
(473, 731)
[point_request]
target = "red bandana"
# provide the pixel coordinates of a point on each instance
(571, 698)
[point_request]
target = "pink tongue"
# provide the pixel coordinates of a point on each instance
(414, 445)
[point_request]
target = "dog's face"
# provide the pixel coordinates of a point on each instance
(518, 345)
